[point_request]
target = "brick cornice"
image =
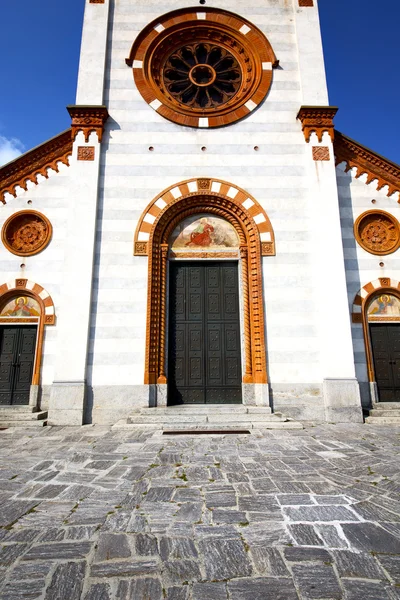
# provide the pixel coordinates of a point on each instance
(367, 162)
(35, 162)
(87, 119)
(317, 119)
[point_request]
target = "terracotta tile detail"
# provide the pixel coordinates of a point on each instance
(317, 119)
(21, 283)
(306, 2)
(35, 162)
(96, 1)
(367, 162)
(141, 248)
(321, 153)
(88, 119)
(85, 152)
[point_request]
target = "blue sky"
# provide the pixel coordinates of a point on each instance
(40, 49)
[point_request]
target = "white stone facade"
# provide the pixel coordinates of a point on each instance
(93, 362)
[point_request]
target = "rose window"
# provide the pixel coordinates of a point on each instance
(377, 232)
(202, 75)
(26, 233)
(202, 69)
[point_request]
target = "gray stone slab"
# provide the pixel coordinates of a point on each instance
(209, 591)
(189, 512)
(225, 558)
(295, 499)
(268, 561)
(177, 548)
(122, 569)
(16, 590)
(220, 499)
(67, 581)
(111, 546)
(305, 535)
(30, 571)
(365, 590)
(181, 571)
(59, 551)
(145, 545)
(332, 535)
(262, 588)
(99, 591)
(319, 513)
(391, 564)
(159, 494)
(10, 512)
(177, 593)
(299, 554)
(355, 564)
(22, 535)
(10, 553)
(319, 581)
(370, 537)
(220, 517)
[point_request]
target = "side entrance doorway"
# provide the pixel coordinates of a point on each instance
(204, 348)
(17, 357)
(385, 340)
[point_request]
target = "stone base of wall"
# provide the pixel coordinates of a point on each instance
(300, 401)
(342, 401)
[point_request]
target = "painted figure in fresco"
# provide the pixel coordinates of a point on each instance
(386, 306)
(22, 309)
(201, 235)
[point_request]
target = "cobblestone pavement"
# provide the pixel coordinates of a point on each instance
(93, 514)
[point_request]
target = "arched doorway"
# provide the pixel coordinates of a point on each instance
(174, 211)
(25, 309)
(377, 307)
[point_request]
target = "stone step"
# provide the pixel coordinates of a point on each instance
(384, 413)
(386, 406)
(383, 420)
(208, 409)
(16, 408)
(210, 427)
(21, 416)
(197, 419)
(7, 424)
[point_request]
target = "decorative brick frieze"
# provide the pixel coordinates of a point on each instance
(88, 119)
(86, 153)
(33, 163)
(96, 1)
(317, 119)
(306, 2)
(367, 162)
(321, 153)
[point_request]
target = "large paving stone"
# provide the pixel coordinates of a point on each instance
(319, 581)
(59, 551)
(67, 582)
(225, 558)
(177, 548)
(391, 564)
(12, 511)
(141, 588)
(262, 588)
(18, 590)
(370, 537)
(99, 591)
(10, 553)
(365, 590)
(124, 568)
(319, 513)
(209, 591)
(355, 564)
(111, 546)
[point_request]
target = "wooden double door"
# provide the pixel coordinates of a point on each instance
(17, 357)
(204, 349)
(385, 340)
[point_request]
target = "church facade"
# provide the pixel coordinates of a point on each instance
(201, 234)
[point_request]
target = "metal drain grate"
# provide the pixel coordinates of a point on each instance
(207, 432)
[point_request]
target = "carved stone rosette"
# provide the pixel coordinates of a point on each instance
(36, 162)
(26, 233)
(367, 163)
(202, 69)
(317, 119)
(88, 119)
(378, 232)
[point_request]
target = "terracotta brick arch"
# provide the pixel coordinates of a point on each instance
(228, 203)
(18, 287)
(214, 188)
(360, 301)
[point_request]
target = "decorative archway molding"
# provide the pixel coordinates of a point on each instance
(359, 314)
(157, 245)
(214, 188)
(47, 313)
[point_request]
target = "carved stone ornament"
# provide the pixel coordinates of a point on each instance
(317, 119)
(377, 232)
(86, 153)
(320, 153)
(26, 233)
(202, 69)
(88, 119)
(36, 162)
(367, 163)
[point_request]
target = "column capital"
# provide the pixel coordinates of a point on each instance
(317, 119)
(88, 118)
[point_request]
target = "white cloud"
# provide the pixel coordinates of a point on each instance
(10, 149)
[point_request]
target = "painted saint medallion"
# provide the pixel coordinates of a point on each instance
(22, 306)
(204, 232)
(384, 307)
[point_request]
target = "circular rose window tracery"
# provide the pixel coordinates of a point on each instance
(377, 232)
(203, 69)
(26, 233)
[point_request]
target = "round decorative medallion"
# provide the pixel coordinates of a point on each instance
(202, 69)
(26, 233)
(377, 232)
